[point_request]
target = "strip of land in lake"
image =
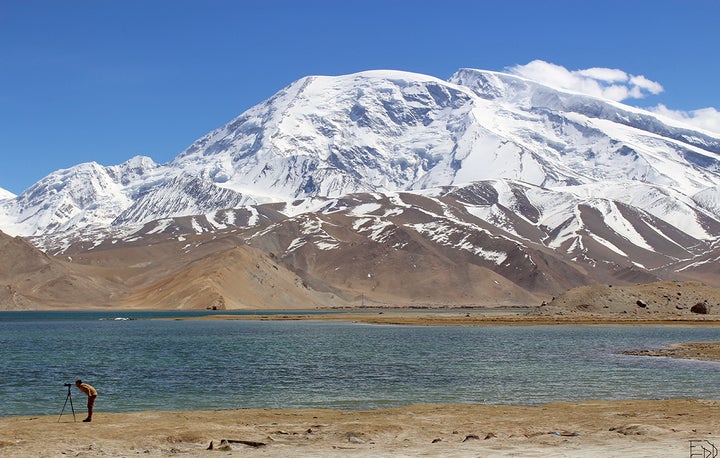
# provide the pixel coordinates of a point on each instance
(706, 351)
(478, 318)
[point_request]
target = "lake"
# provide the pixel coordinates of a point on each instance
(142, 363)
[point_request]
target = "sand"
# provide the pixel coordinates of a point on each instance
(596, 428)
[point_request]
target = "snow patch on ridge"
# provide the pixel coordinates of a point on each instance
(443, 233)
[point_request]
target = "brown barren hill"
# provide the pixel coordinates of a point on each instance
(682, 298)
(30, 279)
(237, 278)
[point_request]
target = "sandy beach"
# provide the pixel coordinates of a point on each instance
(596, 428)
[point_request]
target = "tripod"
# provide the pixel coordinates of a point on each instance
(68, 397)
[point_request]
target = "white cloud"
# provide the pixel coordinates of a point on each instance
(610, 75)
(644, 83)
(608, 83)
(703, 118)
(617, 85)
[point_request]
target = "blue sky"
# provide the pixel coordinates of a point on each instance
(105, 80)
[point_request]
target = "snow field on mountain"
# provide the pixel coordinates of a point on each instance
(5, 194)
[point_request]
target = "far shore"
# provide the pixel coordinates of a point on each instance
(428, 316)
(472, 317)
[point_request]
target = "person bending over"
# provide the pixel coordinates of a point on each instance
(91, 394)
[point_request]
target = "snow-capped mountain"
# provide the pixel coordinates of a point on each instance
(81, 196)
(589, 178)
(387, 131)
(596, 139)
(397, 187)
(382, 131)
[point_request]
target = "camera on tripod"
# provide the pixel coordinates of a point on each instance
(68, 398)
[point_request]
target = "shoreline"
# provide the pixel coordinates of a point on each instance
(422, 316)
(607, 428)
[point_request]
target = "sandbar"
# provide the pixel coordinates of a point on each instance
(477, 318)
(705, 351)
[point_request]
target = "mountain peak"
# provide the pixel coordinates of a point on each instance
(381, 131)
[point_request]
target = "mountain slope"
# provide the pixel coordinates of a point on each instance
(5, 194)
(237, 278)
(82, 196)
(30, 279)
(619, 141)
(330, 136)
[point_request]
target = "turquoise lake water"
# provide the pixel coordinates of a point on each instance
(154, 364)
